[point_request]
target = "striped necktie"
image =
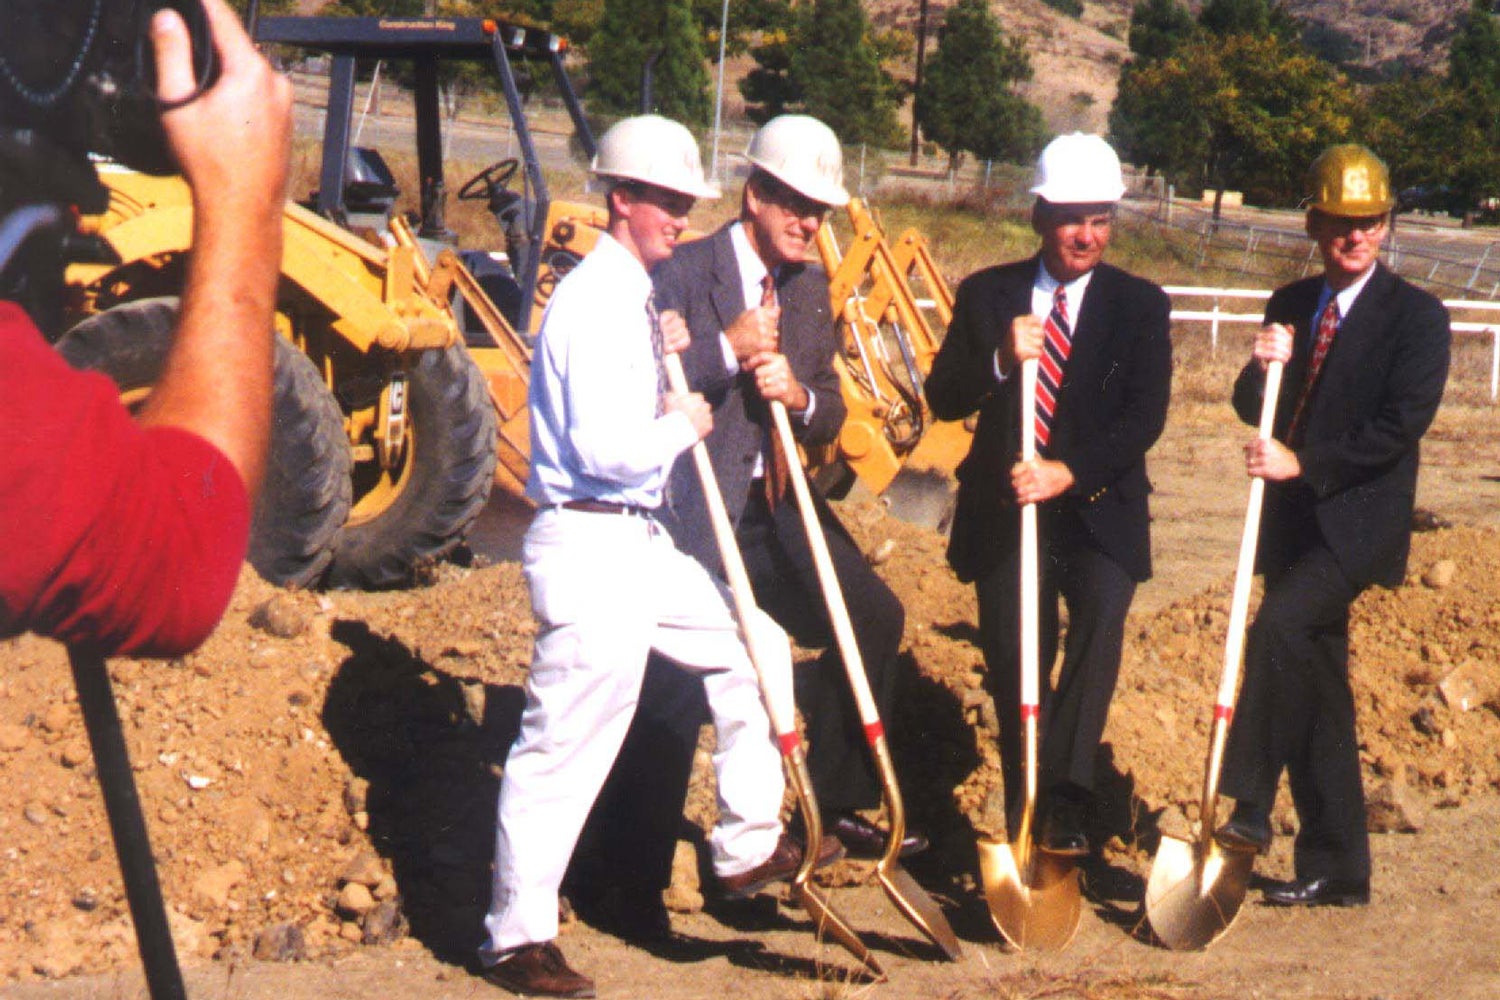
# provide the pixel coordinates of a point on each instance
(1055, 350)
(1327, 327)
(657, 351)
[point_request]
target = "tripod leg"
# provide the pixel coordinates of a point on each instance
(132, 846)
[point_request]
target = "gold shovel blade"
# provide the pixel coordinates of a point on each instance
(1035, 904)
(827, 921)
(1195, 891)
(920, 908)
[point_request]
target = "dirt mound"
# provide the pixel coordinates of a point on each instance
(322, 772)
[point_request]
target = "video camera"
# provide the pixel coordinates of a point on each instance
(79, 77)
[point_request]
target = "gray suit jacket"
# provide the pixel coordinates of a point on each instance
(701, 280)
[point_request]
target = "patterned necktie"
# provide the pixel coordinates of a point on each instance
(1055, 350)
(1327, 327)
(654, 319)
(777, 473)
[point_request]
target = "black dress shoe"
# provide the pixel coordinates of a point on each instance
(1063, 828)
(539, 970)
(1248, 829)
(863, 839)
(1320, 891)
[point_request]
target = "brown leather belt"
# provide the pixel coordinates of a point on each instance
(607, 507)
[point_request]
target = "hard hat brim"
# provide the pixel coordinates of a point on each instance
(1059, 194)
(708, 190)
(832, 195)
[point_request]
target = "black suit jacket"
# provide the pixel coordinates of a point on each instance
(701, 280)
(1111, 408)
(1376, 395)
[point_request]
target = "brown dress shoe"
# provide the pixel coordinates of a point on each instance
(781, 865)
(539, 970)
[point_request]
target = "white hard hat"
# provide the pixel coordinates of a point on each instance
(1078, 169)
(655, 151)
(803, 154)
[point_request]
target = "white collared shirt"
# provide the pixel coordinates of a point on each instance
(593, 393)
(1345, 298)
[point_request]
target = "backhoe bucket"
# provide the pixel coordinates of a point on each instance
(1034, 901)
(1195, 891)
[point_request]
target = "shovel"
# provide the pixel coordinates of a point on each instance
(1032, 895)
(910, 898)
(783, 719)
(1196, 887)
(122, 803)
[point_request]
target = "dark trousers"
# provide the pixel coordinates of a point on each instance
(1296, 711)
(784, 578)
(634, 826)
(1097, 593)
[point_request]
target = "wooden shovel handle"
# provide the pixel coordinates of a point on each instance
(783, 718)
(833, 594)
(1239, 607)
(1244, 572)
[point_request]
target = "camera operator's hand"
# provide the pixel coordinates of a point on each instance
(233, 145)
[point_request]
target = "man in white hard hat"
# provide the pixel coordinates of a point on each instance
(607, 584)
(1366, 357)
(761, 330)
(1101, 336)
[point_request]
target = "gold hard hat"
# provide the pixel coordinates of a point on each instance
(1349, 180)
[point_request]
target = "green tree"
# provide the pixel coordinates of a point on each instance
(1242, 111)
(1474, 60)
(632, 32)
(827, 65)
(968, 101)
(1157, 27)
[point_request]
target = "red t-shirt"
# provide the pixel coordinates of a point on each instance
(124, 537)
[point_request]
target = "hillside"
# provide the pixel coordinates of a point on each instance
(1077, 61)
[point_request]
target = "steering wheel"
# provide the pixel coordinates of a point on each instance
(496, 175)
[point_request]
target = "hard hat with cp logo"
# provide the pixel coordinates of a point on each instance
(1351, 181)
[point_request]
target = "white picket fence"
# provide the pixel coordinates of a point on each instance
(1217, 315)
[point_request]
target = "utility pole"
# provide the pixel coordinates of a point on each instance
(916, 88)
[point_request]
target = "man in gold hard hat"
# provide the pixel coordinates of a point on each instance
(1366, 357)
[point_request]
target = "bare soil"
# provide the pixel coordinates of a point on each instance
(322, 741)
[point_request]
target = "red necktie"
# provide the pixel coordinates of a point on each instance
(1327, 327)
(1055, 350)
(777, 473)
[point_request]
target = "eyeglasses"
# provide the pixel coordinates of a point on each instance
(792, 202)
(673, 203)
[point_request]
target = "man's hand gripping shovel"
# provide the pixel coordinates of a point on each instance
(782, 714)
(1032, 895)
(1197, 886)
(910, 898)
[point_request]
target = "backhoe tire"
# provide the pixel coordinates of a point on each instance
(305, 495)
(398, 532)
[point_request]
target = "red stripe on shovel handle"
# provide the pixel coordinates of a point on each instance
(1224, 712)
(874, 732)
(1031, 712)
(788, 742)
